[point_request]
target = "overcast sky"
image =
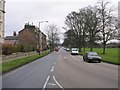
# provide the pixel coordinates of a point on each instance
(19, 12)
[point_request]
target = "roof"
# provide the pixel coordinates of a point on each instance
(11, 37)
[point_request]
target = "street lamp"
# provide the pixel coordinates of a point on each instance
(42, 22)
(40, 33)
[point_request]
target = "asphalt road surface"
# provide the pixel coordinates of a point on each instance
(37, 74)
(72, 72)
(62, 70)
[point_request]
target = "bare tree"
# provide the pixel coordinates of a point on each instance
(53, 36)
(85, 25)
(74, 22)
(107, 25)
(92, 22)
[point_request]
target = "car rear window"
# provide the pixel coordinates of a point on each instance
(93, 54)
(74, 49)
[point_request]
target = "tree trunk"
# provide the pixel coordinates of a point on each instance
(91, 43)
(104, 44)
(84, 48)
(91, 49)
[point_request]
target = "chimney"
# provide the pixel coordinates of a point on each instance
(14, 33)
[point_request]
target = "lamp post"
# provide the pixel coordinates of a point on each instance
(42, 22)
(39, 35)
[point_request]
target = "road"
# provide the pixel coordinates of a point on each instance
(72, 72)
(37, 74)
(62, 70)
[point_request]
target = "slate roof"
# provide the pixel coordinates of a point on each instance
(11, 38)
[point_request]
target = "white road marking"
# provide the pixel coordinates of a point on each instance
(52, 84)
(54, 63)
(46, 83)
(52, 69)
(57, 82)
(65, 57)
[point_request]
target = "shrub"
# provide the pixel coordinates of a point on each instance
(7, 49)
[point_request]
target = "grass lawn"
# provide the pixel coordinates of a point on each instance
(10, 65)
(111, 56)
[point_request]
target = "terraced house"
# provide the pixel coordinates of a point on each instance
(32, 37)
(2, 13)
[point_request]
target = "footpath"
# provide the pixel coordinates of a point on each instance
(14, 56)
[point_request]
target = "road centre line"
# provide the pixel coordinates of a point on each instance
(65, 57)
(46, 82)
(57, 82)
(52, 69)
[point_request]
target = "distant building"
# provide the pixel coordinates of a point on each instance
(32, 36)
(11, 39)
(2, 11)
(29, 36)
(43, 42)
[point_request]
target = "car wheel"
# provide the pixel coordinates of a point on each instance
(83, 59)
(99, 61)
(87, 60)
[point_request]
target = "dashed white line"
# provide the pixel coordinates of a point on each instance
(54, 63)
(46, 83)
(65, 57)
(57, 82)
(52, 69)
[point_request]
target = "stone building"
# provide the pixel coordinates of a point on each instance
(2, 12)
(13, 40)
(43, 42)
(31, 36)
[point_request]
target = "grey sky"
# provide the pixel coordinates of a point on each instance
(19, 12)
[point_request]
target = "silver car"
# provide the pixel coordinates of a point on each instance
(91, 56)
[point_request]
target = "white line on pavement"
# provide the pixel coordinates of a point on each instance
(52, 69)
(46, 83)
(52, 84)
(65, 57)
(57, 82)
(54, 63)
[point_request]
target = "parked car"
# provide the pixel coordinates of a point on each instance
(56, 49)
(67, 49)
(74, 51)
(64, 48)
(91, 56)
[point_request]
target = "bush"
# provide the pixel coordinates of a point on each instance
(26, 48)
(8, 49)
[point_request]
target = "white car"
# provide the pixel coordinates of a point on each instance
(74, 51)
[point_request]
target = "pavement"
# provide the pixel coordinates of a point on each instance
(62, 70)
(6, 58)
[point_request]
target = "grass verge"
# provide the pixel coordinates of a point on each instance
(10, 65)
(111, 55)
